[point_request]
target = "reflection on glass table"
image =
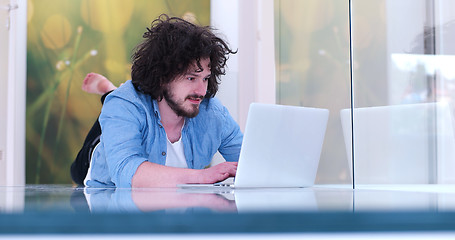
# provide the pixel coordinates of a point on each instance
(320, 198)
(215, 200)
(60, 198)
(169, 200)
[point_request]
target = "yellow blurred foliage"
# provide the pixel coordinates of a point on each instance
(190, 17)
(107, 16)
(30, 10)
(56, 32)
(114, 67)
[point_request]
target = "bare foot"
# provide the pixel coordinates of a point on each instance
(97, 83)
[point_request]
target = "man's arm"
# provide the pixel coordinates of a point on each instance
(150, 174)
(232, 137)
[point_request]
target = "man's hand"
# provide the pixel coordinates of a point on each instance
(218, 172)
(150, 174)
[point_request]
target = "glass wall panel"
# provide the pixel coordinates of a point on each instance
(312, 51)
(403, 91)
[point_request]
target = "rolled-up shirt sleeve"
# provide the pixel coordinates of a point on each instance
(123, 125)
(231, 138)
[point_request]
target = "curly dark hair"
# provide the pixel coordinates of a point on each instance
(170, 47)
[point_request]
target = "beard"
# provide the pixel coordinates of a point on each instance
(178, 106)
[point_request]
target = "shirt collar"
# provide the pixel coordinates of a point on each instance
(156, 110)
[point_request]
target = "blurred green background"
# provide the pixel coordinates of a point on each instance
(66, 40)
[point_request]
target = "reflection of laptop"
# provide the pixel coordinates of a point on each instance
(265, 199)
(275, 200)
(281, 147)
(401, 144)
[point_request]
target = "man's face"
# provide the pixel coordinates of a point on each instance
(185, 92)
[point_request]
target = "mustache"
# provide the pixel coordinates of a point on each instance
(195, 96)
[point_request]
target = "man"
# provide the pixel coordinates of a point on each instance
(163, 127)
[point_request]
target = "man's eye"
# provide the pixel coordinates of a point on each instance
(190, 78)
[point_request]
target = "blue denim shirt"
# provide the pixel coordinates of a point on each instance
(132, 133)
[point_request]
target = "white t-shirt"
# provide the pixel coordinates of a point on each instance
(175, 155)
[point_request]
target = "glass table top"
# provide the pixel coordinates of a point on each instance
(49, 208)
(66, 198)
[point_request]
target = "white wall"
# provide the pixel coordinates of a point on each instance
(224, 17)
(3, 87)
(250, 75)
(13, 82)
(248, 27)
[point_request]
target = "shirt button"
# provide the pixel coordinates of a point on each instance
(163, 153)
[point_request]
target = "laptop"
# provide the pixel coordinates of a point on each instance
(281, 147)
(401, 144)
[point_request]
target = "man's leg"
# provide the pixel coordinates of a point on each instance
(81, 164)
(98, 84)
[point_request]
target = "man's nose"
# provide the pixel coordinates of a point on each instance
(201, 87)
